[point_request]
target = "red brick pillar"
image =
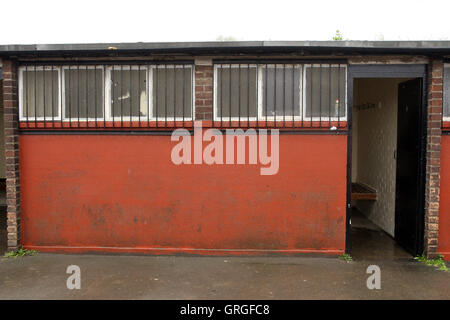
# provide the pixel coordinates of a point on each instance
(11, 125)
(203, 89)
(433, 167)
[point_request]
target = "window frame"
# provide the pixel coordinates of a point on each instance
(108, 92)
(21, 79)
(325, 118)
(260, 104)
(215, 91)
(150, 72)
(63, 92)
(260, 92)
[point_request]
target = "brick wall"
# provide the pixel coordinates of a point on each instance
(203, 90)
(10, 105)
(432, 182)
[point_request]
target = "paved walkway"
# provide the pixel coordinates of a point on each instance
(43, 276)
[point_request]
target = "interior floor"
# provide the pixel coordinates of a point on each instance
(370, 242)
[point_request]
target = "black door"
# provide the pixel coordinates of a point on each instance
(409, 195)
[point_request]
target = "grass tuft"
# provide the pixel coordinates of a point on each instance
(20, 253)
(438, 262)
(346, 257)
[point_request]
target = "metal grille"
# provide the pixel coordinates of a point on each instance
(93, 96)
(280, 94)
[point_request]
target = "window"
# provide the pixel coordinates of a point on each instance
(83, 92)
(39, 93)
(280, 92)
(171, 92)
(324, 91)
(127, 91)
(446, 111)
(88, 93)
(236, 91)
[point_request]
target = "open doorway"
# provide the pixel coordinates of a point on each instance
(387, 177)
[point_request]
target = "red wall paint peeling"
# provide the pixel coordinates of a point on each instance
(84, 193)
(444, 200)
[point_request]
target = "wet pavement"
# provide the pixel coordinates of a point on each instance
(44, 276)
(166, 277)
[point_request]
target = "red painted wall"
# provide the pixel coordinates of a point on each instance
(444, 204)
(122, 193)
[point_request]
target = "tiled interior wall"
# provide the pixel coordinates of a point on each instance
(376, 141)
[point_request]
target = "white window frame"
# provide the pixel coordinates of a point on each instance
(445, 117)
(261, 91)
(63, 91)
(108, 92)
(150, 90)
(325, 118)
(215, 90)
(23, 69)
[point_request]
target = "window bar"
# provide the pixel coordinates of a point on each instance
(239, 95)
(302, 95)
(43, 92)
(131, 100)
(221, 95)
(284, 95)
(95, 95)
(329, 95)
(78, 94)
(311, 99)
(112, 98)
(35, 98)
(165, 96)
(257, 96)
(192, 94)
(184, 92)
(112, 103)
(320, 95)
(26, 94)
(147, 92)
(248, 95)
(266, 89)
(87, 96)
(139, 94)
(53, 115)
(293, 96)
(60, 104)
(121, 96)
(156, 93)
(70, 96)
(229, 101)
(104, 105)
(339, 95)
(174, 93)
(275, 96)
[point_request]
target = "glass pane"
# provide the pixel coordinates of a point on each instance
(83, 92)
(281, 94)
(128, 92)
(40, 93)
(447, 91)
(172, 92)
(236, 91)
(325, 91)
